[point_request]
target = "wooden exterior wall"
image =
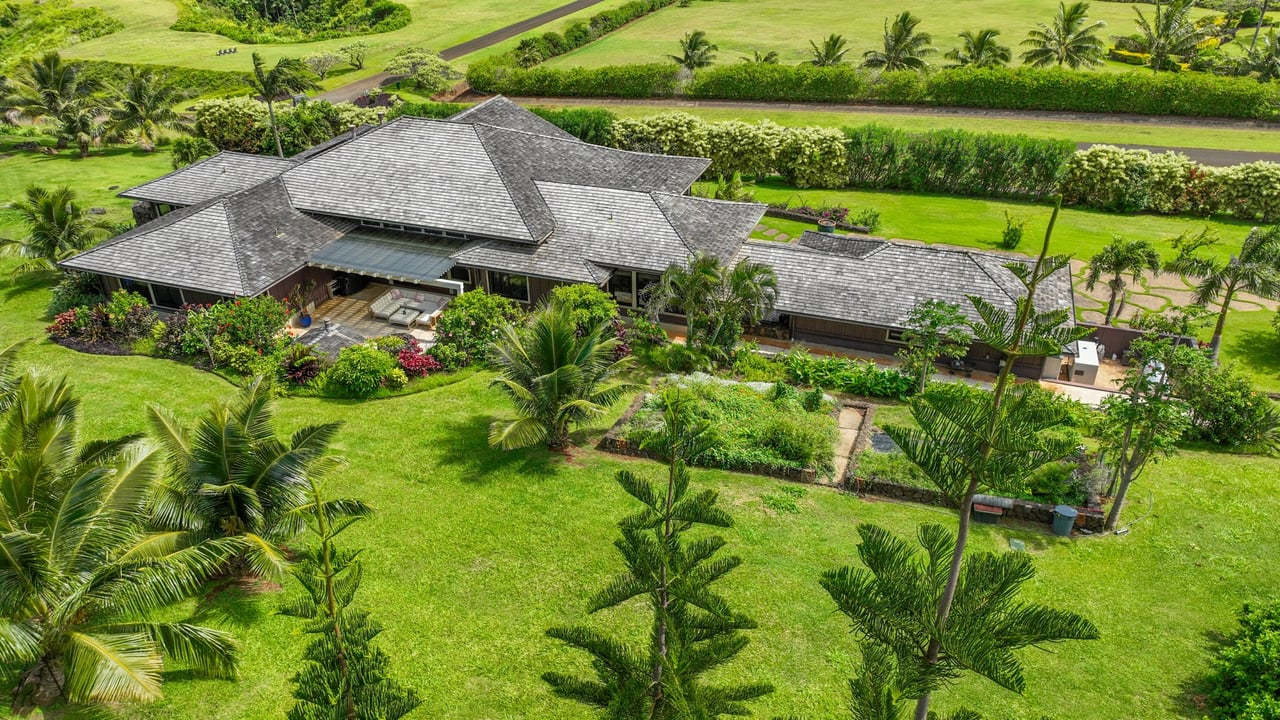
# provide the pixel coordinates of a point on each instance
(281, 290)
(539, 288)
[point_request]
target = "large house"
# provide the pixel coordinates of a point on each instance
(497, 198)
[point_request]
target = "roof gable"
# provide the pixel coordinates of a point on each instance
(500, 112)
(213, 177)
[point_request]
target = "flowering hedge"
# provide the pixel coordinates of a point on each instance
(467, 326)
(814, 157)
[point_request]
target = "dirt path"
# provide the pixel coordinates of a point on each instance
(1204, 156)
(850, 422)
(355, 89)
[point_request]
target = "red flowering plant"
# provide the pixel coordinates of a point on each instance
(414, 362)
(64, 324)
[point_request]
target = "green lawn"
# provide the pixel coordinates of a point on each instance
(475, 552)
(436, 24)
(741, 27)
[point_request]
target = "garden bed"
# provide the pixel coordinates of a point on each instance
(760, 428)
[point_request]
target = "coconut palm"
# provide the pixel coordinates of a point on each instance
(555, 377)
(696, 51)
(78, 123)
(50, 89)
(717, 301)
(1069, 40)
(830, 52)
(980, 49)
(288, 77)
(1256, 269)
(904, 47)
(1171, 34)
(57, 227)
(146, 108)
(230, 476)
(763, 58)
(1120, 258)
(82, 584)
(891, 603)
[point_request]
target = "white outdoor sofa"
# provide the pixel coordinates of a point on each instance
(428, 304)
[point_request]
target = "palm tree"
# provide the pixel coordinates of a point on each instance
(717, 302)
(78, 123)
(696, 51)
(229, 476)
(555, 377)
(980, 49)
(1171, 34)
(289, 77)
(1119, 258)
(891, 604)
(57, 228)
(50, 89)
(1069, 40)
(830, 52)
(1264, 62)
(904, 47)
(763, 58)
(82, 584)
(1256, 269)
(146, 108)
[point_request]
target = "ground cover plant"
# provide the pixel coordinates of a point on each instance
(773, 430)
(464, 534)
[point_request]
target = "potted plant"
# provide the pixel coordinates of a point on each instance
(827, 225)
(299, 301)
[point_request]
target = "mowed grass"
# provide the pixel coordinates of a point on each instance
(436, 24)
(741, 27)
(475, 552)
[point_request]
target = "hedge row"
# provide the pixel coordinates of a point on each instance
(197, 82)
(1022, 88)
(551, 43)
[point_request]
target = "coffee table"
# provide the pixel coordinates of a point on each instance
(403, 316)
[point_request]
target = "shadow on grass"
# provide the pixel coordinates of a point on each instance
(1257, 350)
(1191, 701)
(466, 447)
(19, 285)
(231, 604)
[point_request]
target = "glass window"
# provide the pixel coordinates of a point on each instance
(464, 276)
(508, 285)
(166, 297)
(623, 288)
(895, 336)
(136, 286)
(644, 281)
(198, 298)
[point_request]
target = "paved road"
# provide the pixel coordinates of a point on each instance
(1205, 156)
(355, 89)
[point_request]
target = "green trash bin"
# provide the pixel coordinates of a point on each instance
(1064, 518)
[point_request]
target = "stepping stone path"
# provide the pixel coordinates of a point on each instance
(850, 421)
(782, 237)
(770, 231)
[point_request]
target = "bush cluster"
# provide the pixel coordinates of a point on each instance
(497, 76)
(753, 430)
(1245, 679)
(362, 370)
(120, 320)
(956, 162)
(1021, 88)
(75, 290)
(193, 81)
(856, 377)
(1120, 180)
(28, 29)
(241, 124)
(467, 327)
(588, 305)
(252, 22)
(1225, 408)
(537, 48)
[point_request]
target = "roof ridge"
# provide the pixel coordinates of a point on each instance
(229, 211)
(506, 184)
(977, 259)
(174, 171)
(653, 198)
(578, 141)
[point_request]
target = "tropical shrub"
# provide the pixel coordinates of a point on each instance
(814, 157)
(793, 83)
(469, 324)
(296, 21)
(593, 125)
(1244, 683)
(363, 370)
(231, 124)
(120, 320)
(753, 430)
(300, 364)
(496, 75)
(414, 362)
(189, 149)
(256, 323)
(1250, 191)
(856, 377)
(671, 133)
(741, 148)
(75, 290)
(30, 28)
(193, 81)
(588, 306)
(433, 110)
(1225, 408)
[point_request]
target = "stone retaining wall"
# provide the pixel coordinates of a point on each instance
(1090, 519)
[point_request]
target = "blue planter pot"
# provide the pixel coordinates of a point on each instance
(305, 321)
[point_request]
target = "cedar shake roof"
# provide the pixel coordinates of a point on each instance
(605, 227)
(880, 285)
(239, 245)
(500, 112)
(474, 179)
(210, 178)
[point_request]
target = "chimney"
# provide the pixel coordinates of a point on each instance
(382, 116)
(353, 130)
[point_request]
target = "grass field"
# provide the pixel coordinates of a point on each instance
(741, 27)
(475, 552)
(436, 24)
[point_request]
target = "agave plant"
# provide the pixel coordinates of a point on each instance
(81, 581)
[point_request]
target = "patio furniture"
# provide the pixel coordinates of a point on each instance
(425, 303)
(404, 316)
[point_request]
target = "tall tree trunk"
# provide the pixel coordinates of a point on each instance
(1257, 28)
(1111, 306)
(1215, 344)
(275, 133)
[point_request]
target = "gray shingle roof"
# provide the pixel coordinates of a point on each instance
(882, 286)
(501, 112)
(212, 177)
(607, 227)
(240, 244)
